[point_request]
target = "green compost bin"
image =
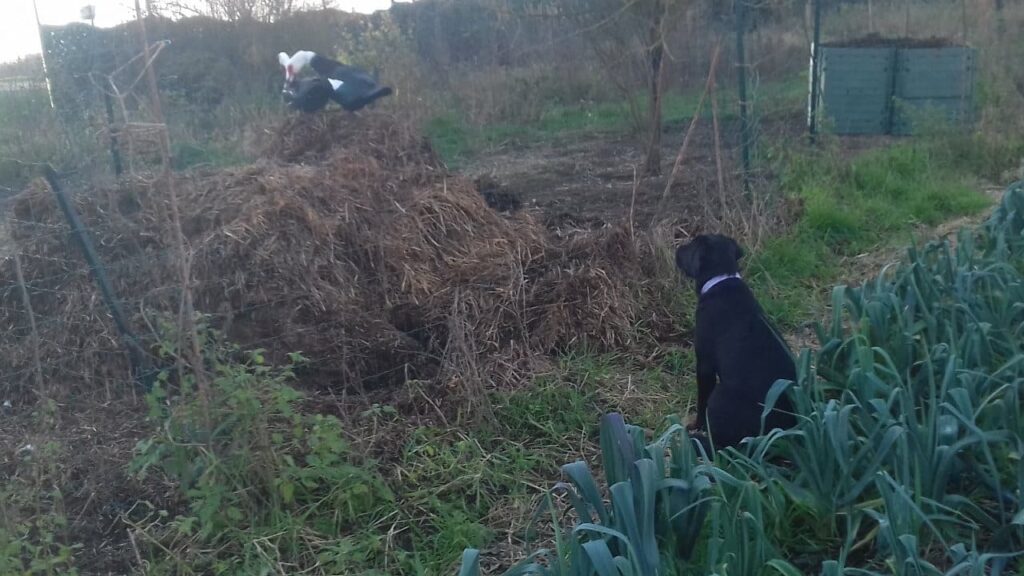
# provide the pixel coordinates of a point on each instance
(886, 89)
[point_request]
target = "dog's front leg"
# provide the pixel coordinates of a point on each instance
(705, 385)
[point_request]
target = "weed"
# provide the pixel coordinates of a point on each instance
(451, 137)
(549, 412)
(35, 539)
(190, 155)
(263, 484)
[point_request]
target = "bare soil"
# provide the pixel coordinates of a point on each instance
(590, 182)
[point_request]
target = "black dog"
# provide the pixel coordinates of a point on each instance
(735, 345)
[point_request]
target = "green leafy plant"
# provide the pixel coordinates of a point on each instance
(657, 500)
(263, 484)
(909, 442)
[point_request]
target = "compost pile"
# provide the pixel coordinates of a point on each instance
(879, 41)
(348, 242)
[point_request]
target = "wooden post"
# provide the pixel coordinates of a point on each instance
(741, 73)
(815, 74)
(186, 310)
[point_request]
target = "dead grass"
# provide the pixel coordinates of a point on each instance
(349, 242)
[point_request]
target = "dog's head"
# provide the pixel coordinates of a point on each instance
(707, 256)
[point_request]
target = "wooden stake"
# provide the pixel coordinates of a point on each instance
(186, 311)
(689, 131)
(37, 365)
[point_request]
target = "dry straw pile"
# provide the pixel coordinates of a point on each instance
(349, 242)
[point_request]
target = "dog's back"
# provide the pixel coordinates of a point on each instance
(749, 357)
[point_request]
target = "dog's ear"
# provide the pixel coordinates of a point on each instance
(688, 257)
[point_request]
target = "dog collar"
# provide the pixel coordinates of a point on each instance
(711, 283)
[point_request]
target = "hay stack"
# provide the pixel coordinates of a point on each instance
(350, 243)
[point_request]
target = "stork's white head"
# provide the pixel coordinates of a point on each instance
(295, 63)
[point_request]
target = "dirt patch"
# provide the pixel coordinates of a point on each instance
(590, 181)
(498, 196)
(84, 453)
(594, 182)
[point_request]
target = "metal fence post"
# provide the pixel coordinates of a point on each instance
(136, 355)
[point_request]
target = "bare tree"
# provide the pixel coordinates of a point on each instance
(235, 10)
(630, 37)
(655, 56)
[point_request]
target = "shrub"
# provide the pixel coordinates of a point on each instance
(263, 485)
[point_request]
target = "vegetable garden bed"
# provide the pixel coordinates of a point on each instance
(907, 458)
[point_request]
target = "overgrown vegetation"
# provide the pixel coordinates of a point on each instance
(907, 458)
(260, 483)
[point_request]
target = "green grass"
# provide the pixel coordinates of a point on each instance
(28, 135)
(462, 486)
(871, 203)
(457, 140)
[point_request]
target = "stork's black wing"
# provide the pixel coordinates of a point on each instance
(356, 101)
(309, 95)
(358, 88)
(357, 80)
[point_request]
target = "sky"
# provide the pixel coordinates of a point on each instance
(19, 36)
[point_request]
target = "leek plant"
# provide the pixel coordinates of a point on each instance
(907, 458)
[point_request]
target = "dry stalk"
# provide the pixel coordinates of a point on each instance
(135, 549)
(718, 143)
(461, 361)
(689, 131)
(632, 205)
(36, 363)
(186, 310)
